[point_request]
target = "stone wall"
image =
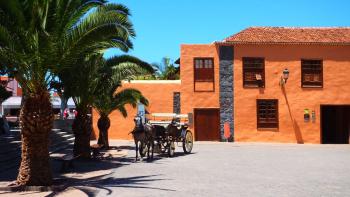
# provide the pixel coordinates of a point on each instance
(226, 89)
(177, 103)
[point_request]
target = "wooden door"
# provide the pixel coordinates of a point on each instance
(207, 124)
(335, 123)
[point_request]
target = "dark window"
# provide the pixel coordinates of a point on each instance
(253, 72)
(267, 113)
(311, 73)
(203, 69)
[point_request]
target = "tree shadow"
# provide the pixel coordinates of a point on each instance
(91, 186)
(9, 175)
(100, 173)
(10, 155)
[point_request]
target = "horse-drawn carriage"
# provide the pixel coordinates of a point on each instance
(163, 131)
(171, 129)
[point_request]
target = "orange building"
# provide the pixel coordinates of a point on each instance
(263, 84)
(11, 85)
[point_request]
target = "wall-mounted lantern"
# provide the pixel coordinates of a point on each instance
(313, 116)
(284, 77)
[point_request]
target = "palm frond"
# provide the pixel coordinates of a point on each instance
(115, 60)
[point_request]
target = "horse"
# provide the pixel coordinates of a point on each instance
(144, 136)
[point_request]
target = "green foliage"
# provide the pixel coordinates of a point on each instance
(95, 80)
(97, 85)
(116, 69)
(166, 70)
(41, 39)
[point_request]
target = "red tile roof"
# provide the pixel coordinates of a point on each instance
(292, 35)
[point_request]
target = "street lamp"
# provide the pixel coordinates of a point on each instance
(284, 77)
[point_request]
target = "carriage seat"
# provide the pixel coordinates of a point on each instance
(162, 123)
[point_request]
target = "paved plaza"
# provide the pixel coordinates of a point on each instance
(221, 169)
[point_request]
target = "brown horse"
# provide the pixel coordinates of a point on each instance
(144, 136)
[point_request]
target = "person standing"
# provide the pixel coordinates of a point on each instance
(66, 113)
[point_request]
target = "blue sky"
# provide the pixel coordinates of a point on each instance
(163, 25)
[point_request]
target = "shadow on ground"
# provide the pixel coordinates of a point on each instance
(94, 175)
(92, 185)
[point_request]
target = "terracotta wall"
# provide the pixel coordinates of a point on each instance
(190, 99)
(160, 93)
(292, 128)
(160, 97)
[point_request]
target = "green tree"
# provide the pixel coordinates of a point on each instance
(166, 70)
(38, 40)
(107, 98)
(79, 82)
(92, 84)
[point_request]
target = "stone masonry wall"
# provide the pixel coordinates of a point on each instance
(177, 103)
(226, 89)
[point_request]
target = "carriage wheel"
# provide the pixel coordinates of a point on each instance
(171, 149)
(187, 142)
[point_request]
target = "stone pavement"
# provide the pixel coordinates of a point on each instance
(215, 169)
(238, 169)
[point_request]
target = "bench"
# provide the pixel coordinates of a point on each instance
(67, 161)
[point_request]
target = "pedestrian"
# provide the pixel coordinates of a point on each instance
(66, 113)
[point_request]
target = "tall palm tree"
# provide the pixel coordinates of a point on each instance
(167, 70)
(107, 98)
(90, 83)
(39, 39)
(79, 82)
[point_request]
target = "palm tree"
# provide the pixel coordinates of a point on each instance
(107, 98)
(166, 70)
(79, 82)
(39, 39)
(90, 82)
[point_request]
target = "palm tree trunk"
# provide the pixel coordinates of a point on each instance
(36, 122)
(103, 125)
(82, 129)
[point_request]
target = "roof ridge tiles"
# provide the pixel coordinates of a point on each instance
(319, 35)
(301, 27)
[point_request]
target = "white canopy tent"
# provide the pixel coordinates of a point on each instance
(56, 102)
(14, 102)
